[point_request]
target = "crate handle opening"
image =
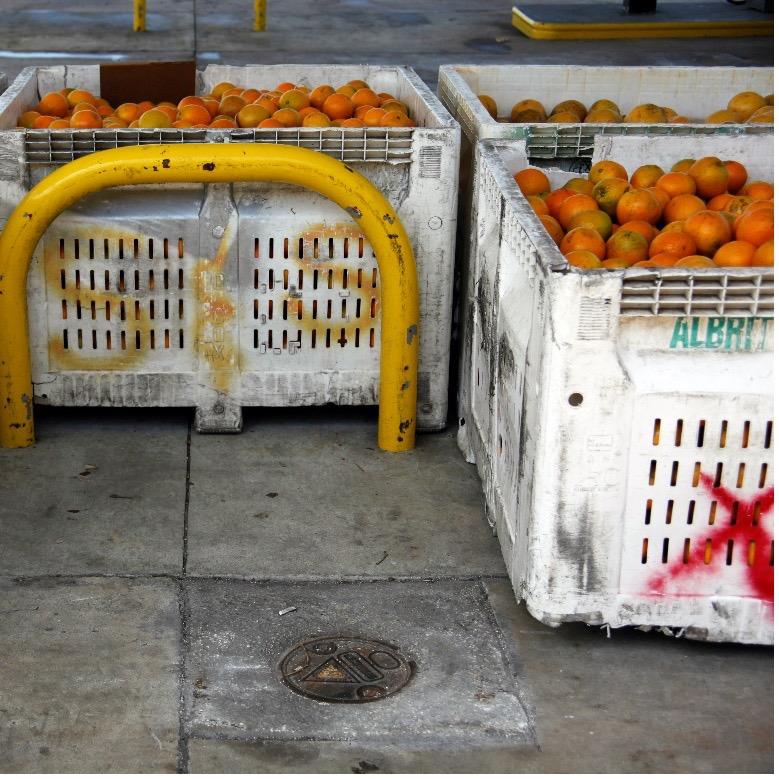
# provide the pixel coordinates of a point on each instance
(213, 164)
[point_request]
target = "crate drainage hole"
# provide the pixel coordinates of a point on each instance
(341, 669)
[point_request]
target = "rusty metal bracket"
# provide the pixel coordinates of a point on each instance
(214, 164)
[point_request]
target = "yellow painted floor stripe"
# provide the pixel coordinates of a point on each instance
(614, 30)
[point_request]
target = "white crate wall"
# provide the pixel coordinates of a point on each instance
(215, 336)
(573, 392)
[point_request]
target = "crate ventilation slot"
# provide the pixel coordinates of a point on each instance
(430, 162)
(594, 319)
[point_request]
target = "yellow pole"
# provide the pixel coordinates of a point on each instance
(260, 12)
(139, 15)
(210, 164)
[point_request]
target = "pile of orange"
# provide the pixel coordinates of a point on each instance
(701, 214)
(745, 107)
(288, 105)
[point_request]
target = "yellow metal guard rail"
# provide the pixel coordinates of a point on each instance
(212, 164)
(139, 15)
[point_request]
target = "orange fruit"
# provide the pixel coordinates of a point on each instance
(353, 122)
(127, 112)
(734, 254)
(581, 258)
(615, 263)
(737, 175)
(757, 227)
(571, 106)
(674, 227)
(603, 116)
(294, 99)
(579, 185)
(553, 228)
(88, 120)
(270, 123)
(682, 166)
(59, 124)
(638, 226)
(638, 204)
(661, 196)
(43, 121)
(347, 89)
(198, 114)
(53, 104)
(249, 116)
(678, 244)
(358, 83)
(309, 109)
(231, 105)
(709, 230)
(250, 95)
(27, 119)
(683, 206)
(395, 119)
(711, 177)
(338, 106)
(584, 238)
(629, 245)
(607, 193)
(366, 96)
(596, 220)
(744, 104)
(722, 117)
(362, 110)
(528, 105)
(223, 122)
(532, 181)
(676, 183)
(603, 103)
(317, 119)
(289, 117)
(490, 106)
(85, 107)
(285, 86)
(562, 117)
(695, 261)
(646, 113)
(230, 92)
(538, 205)
(319, 94)
(759, 190)
(555, 199)
(720, 202)
(221, 88)
(374, 117)
(154, 117)
(394, 105)
(646, 176)
(662, 260)
(572, 206)
(764, 255)
(211, 105)
(606, 169)
(190, 100)
(76, 96)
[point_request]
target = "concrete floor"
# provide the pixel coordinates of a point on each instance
(143, 567)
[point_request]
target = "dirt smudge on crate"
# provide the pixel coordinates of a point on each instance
(216, 311)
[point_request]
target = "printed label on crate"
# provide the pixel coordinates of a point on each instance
(723, 333)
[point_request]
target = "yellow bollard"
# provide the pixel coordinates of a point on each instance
(212, 164)
(139, 15)
(260, 12)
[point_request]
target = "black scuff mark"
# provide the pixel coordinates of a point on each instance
(354, 212)
(209, 166)
(411, 333)
(166, 163)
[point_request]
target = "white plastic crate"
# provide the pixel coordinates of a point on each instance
(695, 92)
(621, 421)
(124, 313)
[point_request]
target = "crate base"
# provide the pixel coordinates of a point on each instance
(559, 21)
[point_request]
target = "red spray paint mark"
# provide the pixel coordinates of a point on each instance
(760, 575)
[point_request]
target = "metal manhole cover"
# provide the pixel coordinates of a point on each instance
(340, 669)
